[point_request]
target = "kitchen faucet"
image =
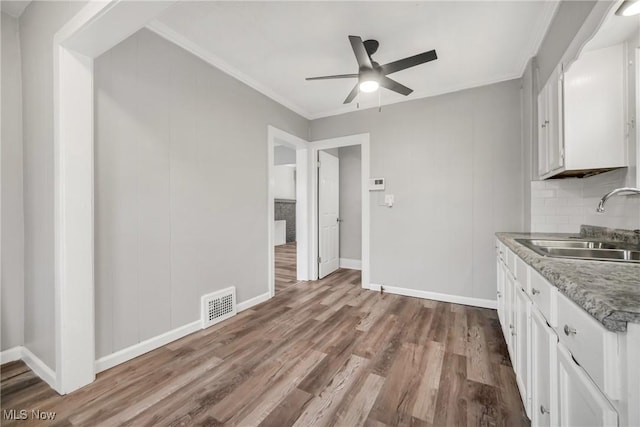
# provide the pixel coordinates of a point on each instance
(604, 199)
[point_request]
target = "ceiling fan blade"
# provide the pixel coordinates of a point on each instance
(351, 95)
(361, 53)
(337, 76)
(395, 86)
(409, 62)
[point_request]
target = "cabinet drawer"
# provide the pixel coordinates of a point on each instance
(592, 346)
(521, 274)
(511, 261)
(544, 296)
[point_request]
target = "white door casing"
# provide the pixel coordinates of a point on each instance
(328, 213)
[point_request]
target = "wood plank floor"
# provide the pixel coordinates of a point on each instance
(285, 266)
(319, 353)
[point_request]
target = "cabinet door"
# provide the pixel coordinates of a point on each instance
(555, 137)
(510, 317)
(544, 380)
(580, 402)
(522, 345)
(500, 294)
(543, 134)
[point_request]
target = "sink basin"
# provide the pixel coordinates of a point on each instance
(574, 244)
(583, 249)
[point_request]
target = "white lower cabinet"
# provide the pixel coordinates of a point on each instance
(580, 402)
(570, 370)
(544, 379)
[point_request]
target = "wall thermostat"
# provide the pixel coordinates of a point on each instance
(376, 184)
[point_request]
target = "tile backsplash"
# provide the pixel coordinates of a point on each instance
(562, 205)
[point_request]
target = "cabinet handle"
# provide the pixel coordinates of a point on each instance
(544, 410)
(499, 294)
(513, 333)
(534, 291)
(568, 330)
(543, 125)
(510, 326)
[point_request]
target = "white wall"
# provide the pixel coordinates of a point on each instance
(12, 282)
(181, 188)
(38, 24)
(350, 202)
(562, 205)
(284, 185)
(454, 165)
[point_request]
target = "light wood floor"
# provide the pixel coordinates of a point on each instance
(319, 353)
(285, 266)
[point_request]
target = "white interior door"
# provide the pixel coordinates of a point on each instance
(328, 218)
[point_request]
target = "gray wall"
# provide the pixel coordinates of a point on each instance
(529, 135)
(181, 188)
(350, 202)
(454, 165)
(568, 20)
(38, 24)
(284, 155)
(12, 263)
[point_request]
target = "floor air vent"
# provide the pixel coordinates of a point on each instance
(218, 306)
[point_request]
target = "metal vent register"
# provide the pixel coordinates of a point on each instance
(218, 306)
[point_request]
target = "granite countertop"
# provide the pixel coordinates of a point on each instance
(608, 291)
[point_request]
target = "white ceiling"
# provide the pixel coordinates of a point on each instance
(273, 46)
(14, 7)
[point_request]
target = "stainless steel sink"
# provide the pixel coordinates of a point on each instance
(584, 249)
(574, 244)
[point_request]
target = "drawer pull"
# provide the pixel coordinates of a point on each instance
(534, 291)
(568, 330)
(544, 410)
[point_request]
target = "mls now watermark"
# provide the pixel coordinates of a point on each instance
(23, 414)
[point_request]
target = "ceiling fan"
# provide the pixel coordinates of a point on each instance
(372, 75)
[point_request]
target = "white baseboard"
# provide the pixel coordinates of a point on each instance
(146, 346)
(456, 299)
(11, 355)
(353, 264)
(253, 301)
(38, 367)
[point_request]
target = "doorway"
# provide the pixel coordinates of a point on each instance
(340, 206)
(288, 218)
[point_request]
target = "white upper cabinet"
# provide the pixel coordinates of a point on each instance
(550, 126)
(581, 116)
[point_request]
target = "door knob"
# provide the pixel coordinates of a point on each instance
(338, 220)
(568, 330)
(544, 410)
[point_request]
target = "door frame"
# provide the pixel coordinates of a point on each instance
(96, 28)
(362, 140)
(302, 202)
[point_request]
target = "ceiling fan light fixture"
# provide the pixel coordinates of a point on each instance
(629, 8)
(369, 86)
